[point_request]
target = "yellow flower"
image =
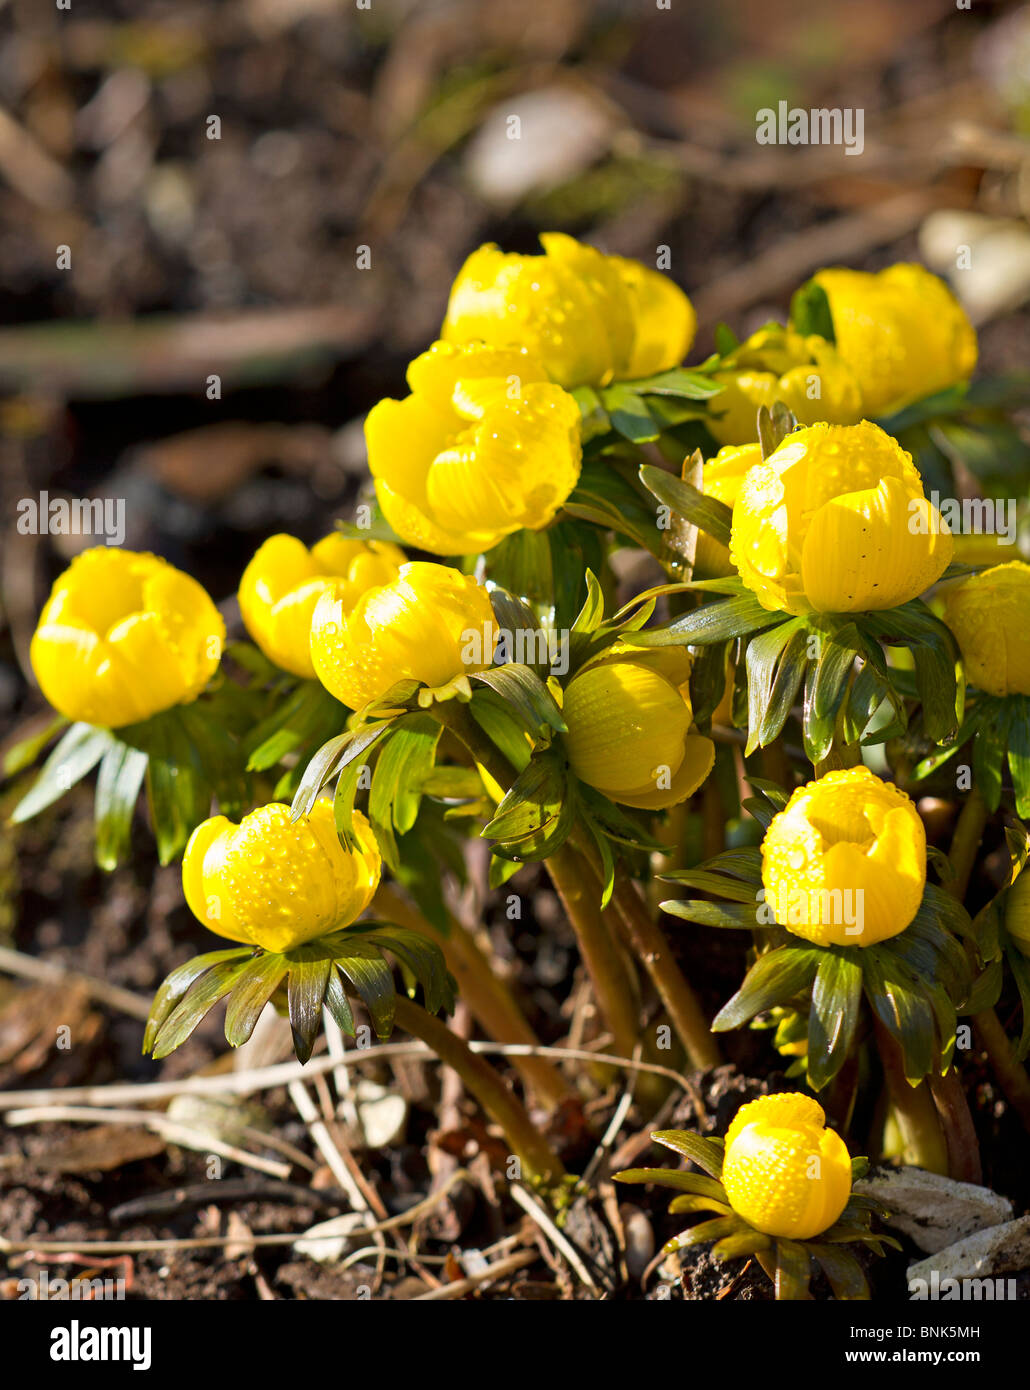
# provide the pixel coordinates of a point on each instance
(783, 1170)
(844, 863)
(835, 521)
(277, 883)
(989, 613)
(588, 317)
(778, 364)
(123, 636)
(901, 331)
(284, 581)
(723, 477)
(430, 624)
(484, 446)
(631, 729)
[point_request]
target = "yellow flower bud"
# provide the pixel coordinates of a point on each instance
(783, 1170)
(723, 478)
(484, 446)
(430, 624)
(901, 331)
(588, 317)
(631, 729)
(275, 883)
(778, 364)
(989, 613)
(844, 863)
(284, 581)
(123, 636)
(835, 521)
(1017, 912)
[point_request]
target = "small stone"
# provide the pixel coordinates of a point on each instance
(1001, 1249)
(934, 1212)
(330, 1240)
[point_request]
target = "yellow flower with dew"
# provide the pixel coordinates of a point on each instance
(783, 1171)
(589, 318)
(431, 624)
(989, 614)
(631, 730)
(275, 882)
(835, 521)
(284, 580)
(844, 863)
(779, 364)
(483, 446)
(123, 636)
(901, 331)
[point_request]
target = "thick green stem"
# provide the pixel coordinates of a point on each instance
(505, 1109)
(580, 893)
(1009, 1071)
(913, 1112)
(606, 970)
(652, 949)
(488, 997)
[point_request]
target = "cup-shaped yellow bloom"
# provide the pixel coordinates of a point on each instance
(123, 636)
(284, 581)
(431, 624)
(835, 521)
(484, 446)
(589, 318)
(783, 1170)
(844, 863)
(277, 883)
(722, 479)
(901, 331)
(989, 613)
(778, 364)
(631, 729)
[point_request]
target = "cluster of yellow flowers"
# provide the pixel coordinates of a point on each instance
(819, 530)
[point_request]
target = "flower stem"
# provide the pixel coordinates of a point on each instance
(504, 1108)
(913, 1111)
(957, 1123)
(488, 997)
(1010, 1073)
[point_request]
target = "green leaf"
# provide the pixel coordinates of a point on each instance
(705, 1231)
(25, 752)
(774, 426)
(775, 668)
(793, 1271)
(1019, 753)
(678, 381)
(202, 995)
(693, 1183)
(178, 790)
(825, 688)
(687, 1203)
(711, 515)
(405, 760)
(714, 622)
(422, 958)
(337, 1003)
(340, 752)
(532, 803)
(706, 1153)
(706, 881)
(175, 985)
(775, 978)
(836, 1001)
(527, 695)
(310, 714)
(843, 1272)
(810, 312)
(905, 1012)
(372, 978)
(252, 991)
(305, 990)
(738, 1247)
(629, 415)
(735, 916)
(118, 786)
(78, 753)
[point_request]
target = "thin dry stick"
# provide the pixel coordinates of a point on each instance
(47, 973)
(319, 1132)
(265, 1078)
(485, 1276)
(169, 1129)
(536, 1211)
